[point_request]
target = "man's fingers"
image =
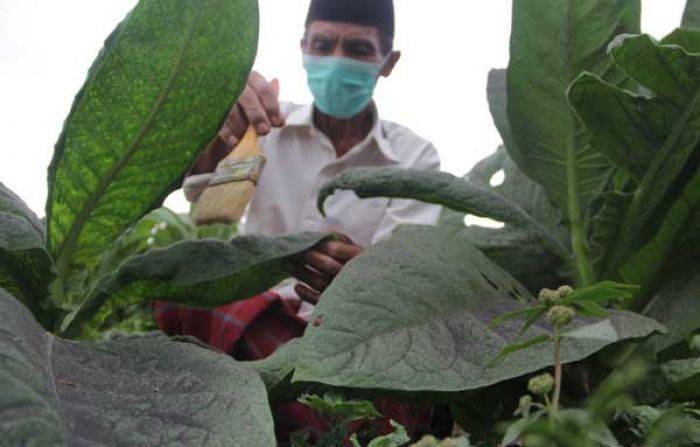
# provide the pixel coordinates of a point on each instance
(228, 136)
(340, 251)
(306, 275)
(234, 128)
(254, 111)
(275, 84)
(307, 294)
(344, 238)
(322, 263)
(267, 93)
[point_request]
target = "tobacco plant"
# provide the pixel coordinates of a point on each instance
(601, 160)
(156, 94)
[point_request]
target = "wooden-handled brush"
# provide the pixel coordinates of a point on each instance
(233, 184)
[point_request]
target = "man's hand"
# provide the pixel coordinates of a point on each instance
(258, 105)
(317, 267)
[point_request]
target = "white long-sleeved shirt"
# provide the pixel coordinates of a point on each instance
(301, 159)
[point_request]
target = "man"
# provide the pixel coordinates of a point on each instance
(346, 48)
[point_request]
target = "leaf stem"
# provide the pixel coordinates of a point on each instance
(578, 243)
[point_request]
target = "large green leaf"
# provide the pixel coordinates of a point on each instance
(643, 267)
(277, 367)
(29, 405)
(552, 42)
(680, 379)
(654, 139)
(25, 265)
(691, 15)
(618, 125)
(432, 187)
(413, 313)
(440, 188)
(497, 95)
(520, 253)
(206, 273)
(686, 38)
(159, 228)
(677, 306)
(518, 250)
(134, 391)
(528, 195)
(676, 380)
(516, 186)
(604, 228)
(156, 94)
(11, 203)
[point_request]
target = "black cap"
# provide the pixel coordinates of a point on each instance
(378, 13)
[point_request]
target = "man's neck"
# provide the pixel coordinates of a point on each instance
(345, 133)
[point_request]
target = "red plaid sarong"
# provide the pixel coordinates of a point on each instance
(252, 330)
(248, 330)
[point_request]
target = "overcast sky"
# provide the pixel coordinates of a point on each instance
(438, 88)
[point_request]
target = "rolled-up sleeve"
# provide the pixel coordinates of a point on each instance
(403, 211)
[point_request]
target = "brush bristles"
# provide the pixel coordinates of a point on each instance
(223, 204)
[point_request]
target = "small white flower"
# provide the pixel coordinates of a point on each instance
(151, 241)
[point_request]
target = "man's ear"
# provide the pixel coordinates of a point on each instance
(391, 62)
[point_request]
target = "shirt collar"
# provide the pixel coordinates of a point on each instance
(303, 117)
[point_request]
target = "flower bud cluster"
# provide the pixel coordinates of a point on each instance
(560, 316)
(565, 291)
(550, 297)
(541, 385)
(524, 405)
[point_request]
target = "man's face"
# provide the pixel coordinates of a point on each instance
(362, 43)
(349, 40)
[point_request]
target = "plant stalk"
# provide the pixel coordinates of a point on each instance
(557, 372)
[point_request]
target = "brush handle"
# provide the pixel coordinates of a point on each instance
(233, 184)
(247, 147)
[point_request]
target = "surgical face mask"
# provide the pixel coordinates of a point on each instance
(342, 87)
